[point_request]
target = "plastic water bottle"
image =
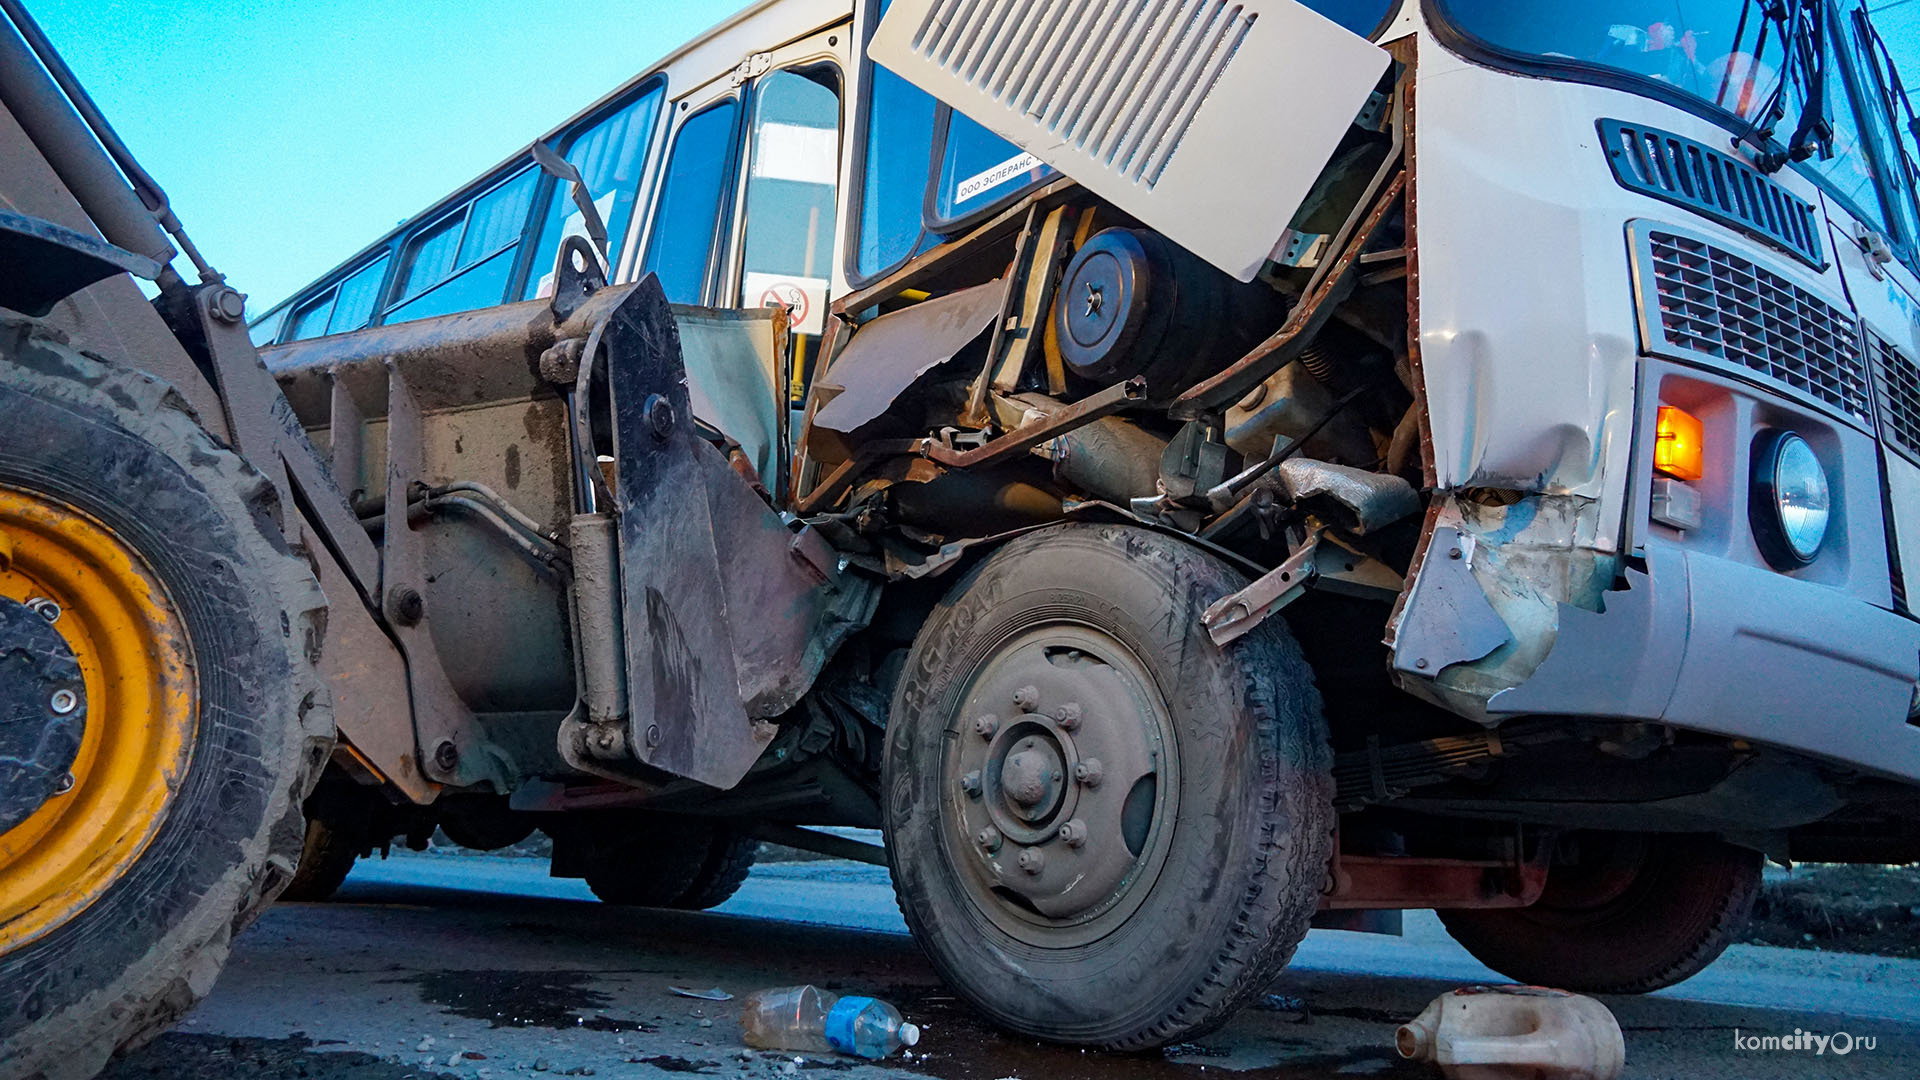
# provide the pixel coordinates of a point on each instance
(809, 1018)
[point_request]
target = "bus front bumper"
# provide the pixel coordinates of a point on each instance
(1712, 645)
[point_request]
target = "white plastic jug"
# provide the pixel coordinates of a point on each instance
(1515, 1033)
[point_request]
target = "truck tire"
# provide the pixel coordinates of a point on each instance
(326, 858)
(1104, 829)
(1636, 913)
(729, 860)
(205, 721)
(642, 859)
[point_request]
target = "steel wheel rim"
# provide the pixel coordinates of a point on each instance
(1061, 697)
(142, 712)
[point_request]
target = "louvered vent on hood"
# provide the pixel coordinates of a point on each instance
(1207, 119)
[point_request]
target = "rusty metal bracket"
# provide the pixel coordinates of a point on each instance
(1323, 562)
(1119, 396)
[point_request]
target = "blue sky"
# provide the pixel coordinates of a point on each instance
(290, 133)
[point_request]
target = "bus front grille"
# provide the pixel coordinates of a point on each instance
(1700, 302)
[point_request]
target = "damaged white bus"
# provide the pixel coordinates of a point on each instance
(1186, 470)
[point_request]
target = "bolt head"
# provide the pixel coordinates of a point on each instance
(1027, 698)
(970, 784)
(45, 608)
(1032, 860)
(1088, 772)
(63, 702)
(659, 415)
(1068, 716)
(408, 606)
(653, 734)
(446, 755)
(986, 725)
(1074, 833)
(65, 785)
(227, 304)
(988, 838)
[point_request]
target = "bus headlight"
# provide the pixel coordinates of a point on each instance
(1791, 502)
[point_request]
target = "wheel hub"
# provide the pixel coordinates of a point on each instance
(117, 675)
(1059, 770)
(43, 709)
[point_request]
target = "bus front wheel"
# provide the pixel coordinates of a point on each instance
(1103, 828)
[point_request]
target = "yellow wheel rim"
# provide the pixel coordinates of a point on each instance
(141, 706)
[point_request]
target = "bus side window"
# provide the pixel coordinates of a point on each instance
(310, 319)
(611, 156)
(892, 173)
(463, 261)
(358, 297)
(791, 180)
(686, 220)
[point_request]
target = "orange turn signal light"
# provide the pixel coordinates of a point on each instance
(1680, 449)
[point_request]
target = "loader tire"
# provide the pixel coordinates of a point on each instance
(1103, 828)
(1639, 912)
(119, 507)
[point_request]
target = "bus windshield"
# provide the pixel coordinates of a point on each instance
(1726, 53)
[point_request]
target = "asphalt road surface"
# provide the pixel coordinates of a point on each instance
(484, 968)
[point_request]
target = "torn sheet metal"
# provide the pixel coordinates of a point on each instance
(888, 354)
(1447, 618)
(1166, 110)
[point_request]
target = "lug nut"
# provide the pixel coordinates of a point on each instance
(1088, 772)
(988, 838)
(1027, 698)
(63, 702)
(65, 785)
(970, 784)
(1032, 860)
(44, 608)
(1068, 717)
(1074, 833)
(986, 726)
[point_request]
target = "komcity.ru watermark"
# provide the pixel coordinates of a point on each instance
(1839, 1043)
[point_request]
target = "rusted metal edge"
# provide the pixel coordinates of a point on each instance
(1018, 441)
(1307, 318)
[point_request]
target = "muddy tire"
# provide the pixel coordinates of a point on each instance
(326, 858)
(1634, 914)
(1103, 829)
(121, 456)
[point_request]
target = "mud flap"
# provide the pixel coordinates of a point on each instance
(685, 714)
(697, 545)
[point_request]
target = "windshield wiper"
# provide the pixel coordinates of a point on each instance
(1801, 25)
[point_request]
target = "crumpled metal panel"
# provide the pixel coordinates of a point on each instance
(891, 352)
(1447, 619)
